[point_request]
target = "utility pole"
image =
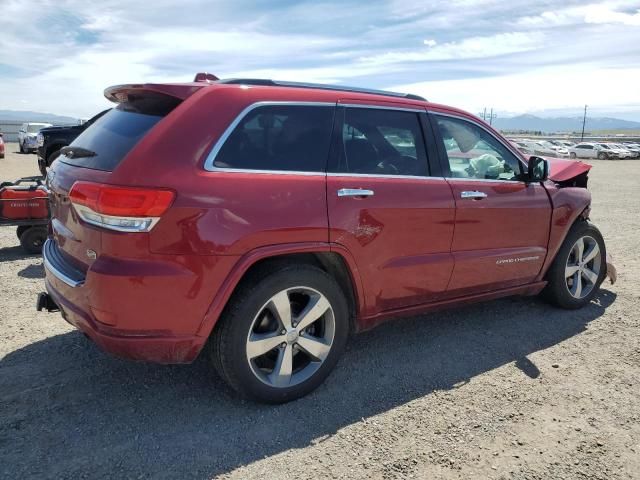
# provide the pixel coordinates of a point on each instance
(488, 118)
(584, 120)
(492, 116)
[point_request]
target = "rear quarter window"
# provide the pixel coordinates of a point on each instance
(279, 138)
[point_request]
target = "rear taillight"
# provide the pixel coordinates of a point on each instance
(125, 209)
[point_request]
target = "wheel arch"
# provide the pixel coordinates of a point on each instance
(335, 261)
(52, 149)
(570, 205)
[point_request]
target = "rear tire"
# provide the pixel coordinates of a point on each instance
(578, 269)
(33, 238)
(21, 229)
(302, 349)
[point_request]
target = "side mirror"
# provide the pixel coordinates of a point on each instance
(538, 169)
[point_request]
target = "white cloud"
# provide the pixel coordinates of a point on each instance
(59, 55)
(549, 88)
(474, 47)
(596, 13)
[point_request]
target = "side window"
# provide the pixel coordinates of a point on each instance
(474, 153)
(381, 142)
(280, 137)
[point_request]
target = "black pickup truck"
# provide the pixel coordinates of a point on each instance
(54, 138)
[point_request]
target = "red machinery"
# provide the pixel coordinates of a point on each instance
(25, 204)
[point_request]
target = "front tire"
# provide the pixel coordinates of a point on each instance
(578, 269)
(573, 155)
(603, 156)
(281, 334)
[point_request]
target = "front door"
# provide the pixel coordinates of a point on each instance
(502, 222)
(385, 209)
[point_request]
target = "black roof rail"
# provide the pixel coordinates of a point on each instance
(321, 86)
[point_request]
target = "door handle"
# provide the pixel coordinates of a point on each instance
(473, 195)
(354, 192)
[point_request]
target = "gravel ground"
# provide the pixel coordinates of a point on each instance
(507, 389)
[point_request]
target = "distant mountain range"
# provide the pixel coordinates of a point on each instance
(562, 124)
(27, 116)
(520, 122)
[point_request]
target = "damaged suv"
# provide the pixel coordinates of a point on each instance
(262, 222)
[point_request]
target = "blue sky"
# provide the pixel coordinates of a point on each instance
(546, 57)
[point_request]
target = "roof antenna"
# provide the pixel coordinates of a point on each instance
(205, 77)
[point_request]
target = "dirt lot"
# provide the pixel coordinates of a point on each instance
(507, 389)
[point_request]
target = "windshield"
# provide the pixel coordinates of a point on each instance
(36, 127)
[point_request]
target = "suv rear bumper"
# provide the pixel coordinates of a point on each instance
(68, 288)
(157, 349)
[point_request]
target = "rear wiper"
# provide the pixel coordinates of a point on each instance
(77, 152)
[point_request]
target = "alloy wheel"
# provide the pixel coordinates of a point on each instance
(290, 337)
(583, 265)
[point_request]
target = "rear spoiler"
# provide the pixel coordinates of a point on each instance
(120, 93)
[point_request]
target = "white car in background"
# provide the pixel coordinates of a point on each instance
(562, 152)
(633, 147)
(591, 150)
(532, 147)
(563, 143)
(27, 136)
(616, 151)
(633, 152)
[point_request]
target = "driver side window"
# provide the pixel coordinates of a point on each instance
(474, 153)
(381, 142)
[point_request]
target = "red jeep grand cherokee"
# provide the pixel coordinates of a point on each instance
(268, 220)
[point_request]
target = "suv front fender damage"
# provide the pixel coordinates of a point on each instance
(571, 202)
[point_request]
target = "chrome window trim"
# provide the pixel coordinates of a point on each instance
(209, 163)
(265, 172)
(417, 109)
(210, 160)
(492, 180)
(377, 175)
(508, 147)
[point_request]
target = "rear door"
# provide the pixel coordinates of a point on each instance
(502, 222)
(268, 173)
(586, 151)
(384, 207)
